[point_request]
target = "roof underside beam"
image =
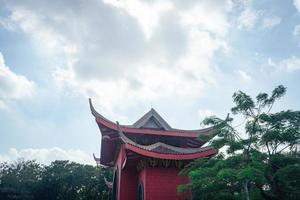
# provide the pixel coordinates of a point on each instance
(151, 154)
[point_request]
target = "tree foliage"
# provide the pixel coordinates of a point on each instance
(261, 162)
(60, 180)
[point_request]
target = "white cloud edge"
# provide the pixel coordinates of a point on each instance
(15, 86)
(47, 155)
(297, 5)
(296, 31)
(147, 14)
(271, 22)
(248, 18)
(288, 65)
(243, 76)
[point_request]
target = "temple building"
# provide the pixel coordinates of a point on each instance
(147, 156)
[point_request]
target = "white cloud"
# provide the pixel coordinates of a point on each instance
(6, 23)
(12, 85)
(188, 77)
(207, 15)
(2, 105)
(247, 19)
(297, 5)
(43, 36)
(271, 62)
(249, 16)
(147, 13)
(270, 22)
(128, 51)
(291, 64)
(47, 155)
(296, 31)
(243, 76)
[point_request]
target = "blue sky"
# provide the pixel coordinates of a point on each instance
(183, 58)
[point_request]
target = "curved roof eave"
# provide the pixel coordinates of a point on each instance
(101, 120)
(152, 147)
(190, 156)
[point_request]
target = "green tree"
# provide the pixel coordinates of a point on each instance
(260, 163)
(19, 180)
(68, 180)
(28, 180)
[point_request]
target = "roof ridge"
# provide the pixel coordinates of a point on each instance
(147, 116)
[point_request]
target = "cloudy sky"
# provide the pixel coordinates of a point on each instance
(183, 58)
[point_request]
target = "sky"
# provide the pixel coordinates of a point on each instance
(185, 59)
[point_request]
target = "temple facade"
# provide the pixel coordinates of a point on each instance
(147, 156)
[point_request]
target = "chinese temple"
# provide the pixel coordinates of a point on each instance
(147, 156)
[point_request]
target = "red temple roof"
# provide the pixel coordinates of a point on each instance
(115, 137)
(164, 151)
(146, 125)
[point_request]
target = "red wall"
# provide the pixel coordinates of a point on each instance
(128, 182)
(159, 183)
(162, 183)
